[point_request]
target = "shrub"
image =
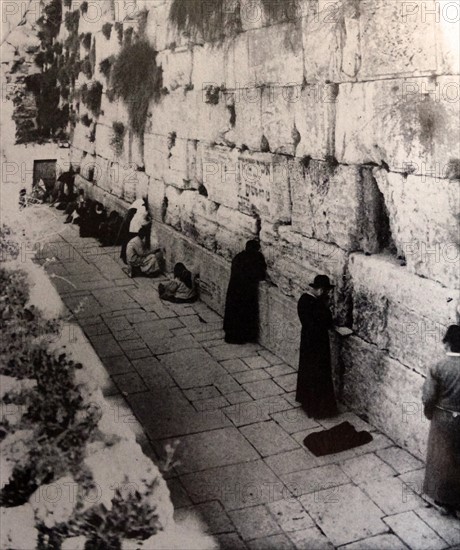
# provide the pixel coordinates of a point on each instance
(128, 36)
(86, 121)
(117, 140)
(107, 30)
(86, 67)
(137, 79)
(84, 7)
(91, 97)
(86, 40)
(71, 21)
(105, 66)
(119, 31)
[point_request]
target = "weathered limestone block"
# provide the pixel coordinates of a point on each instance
(330, 32)
(447, 38)
(220, 175)
(44, 502)
(199, 219)
(175, 112)
(238, 72)
(234, 229)
(81, 139)
(177, 67)
(264, 186)
(173, 215)
(156, 28)
(387, 392)
(102, 173)
(314, 118)
(279, 324)
(182, 164)
(253, 15)
(424, 220)
(248, 118)
(336, 204)
(276, 54)
(396, 39)
(209, 65)
(213, 122)
(214, 278)
(278, 119)
(156, 198)
(156, 155)
(10, 536)
(103, 143)
(388, 310)
(294, 260)
(420, 115)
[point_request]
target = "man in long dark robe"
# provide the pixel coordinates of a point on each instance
(315, 388)
(241, 319)
(441, 399)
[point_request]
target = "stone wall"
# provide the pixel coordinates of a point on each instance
(330, 134)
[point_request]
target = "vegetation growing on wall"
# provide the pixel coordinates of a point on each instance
(137, 79)
(91, 96)
(118, 135)
(86, 40)
(119, 31)
(105, 66)
(107, 30)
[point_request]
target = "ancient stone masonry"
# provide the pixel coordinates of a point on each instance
(329, 130)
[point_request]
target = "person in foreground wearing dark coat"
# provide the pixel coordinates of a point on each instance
(441, 400)
(241, 319)
(315, 388)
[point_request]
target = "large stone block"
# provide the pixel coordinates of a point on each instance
(447, 38)
(248, 118)
(424, 219)
(420, 115)
(220, 175)
(177, 67)
(330, 32)
(336, 204)
(294, 260)
(156, 198)
(199, 219)
(387, 392)
(175, 112)
(264, 186)
(173, 207)
(234, 229)
(237, 68)
(209, 65)
(182, 164)
(396, 39)
(156, 155)
(81, 137)
(276, 54)
(388, 310)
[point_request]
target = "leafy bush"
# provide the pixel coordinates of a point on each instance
(119, 31)
(71, 21)
(86, 67)
(105, 66)
(84, 7)
(128, 36)
(137, 79)
(91, 97)
(86, 40)
(117, 140)
(86, 121)
(107, 30)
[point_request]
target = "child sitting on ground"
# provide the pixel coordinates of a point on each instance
(182, 289)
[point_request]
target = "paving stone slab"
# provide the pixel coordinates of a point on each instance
(314, 480)
(231, 351)
(235, 486)
(141, 317)
(274, 542)
(279, 370)
(348, 416)
(133, 354)
(209, 336)
(238, 397)
(212, 513)
(203, 392)
(288, 381)
(129, 383)
(392, 495)
(268, 438)
(180, 331)
(400, 460)
(227, 384)
(310, 538)
(230, 541)
(117, 323)
(447, 527)
(414, 532)
(290, 515)
(118, 364)
(170, 345)
(270, 357)
(291, 461)
(366, 468)
(414, 480)
(105, 345)
(214, 448)
(250, 376)
(154, 376)
(262, 388)
(192, 368)
(256, 362)
(212, 404)
(254, 522)
(128, 334)
(179, 495)
(295, 420)
(234, 365)
(344, 514)
(130, 345)
(95, 330)
(380, 542)
(255, 411)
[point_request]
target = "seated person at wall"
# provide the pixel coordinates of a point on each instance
(75, 208)
(90, 222)
(64, 190)
(108, 230)
(136, 217)
(143, 260)
(241, 319)
(441, 400)
(182, 289)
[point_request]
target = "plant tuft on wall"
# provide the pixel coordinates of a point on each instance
(86, 40)
(137, 79)
(118, 135)
(105, 66)
(91, 96)
(107, 30)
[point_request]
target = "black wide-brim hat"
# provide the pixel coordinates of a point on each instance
(322, 281)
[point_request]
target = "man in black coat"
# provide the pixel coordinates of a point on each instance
(241, 319)
(315, 389)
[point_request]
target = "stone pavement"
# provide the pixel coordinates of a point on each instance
(240, 462)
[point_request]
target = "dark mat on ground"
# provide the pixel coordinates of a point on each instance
(337, 439)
